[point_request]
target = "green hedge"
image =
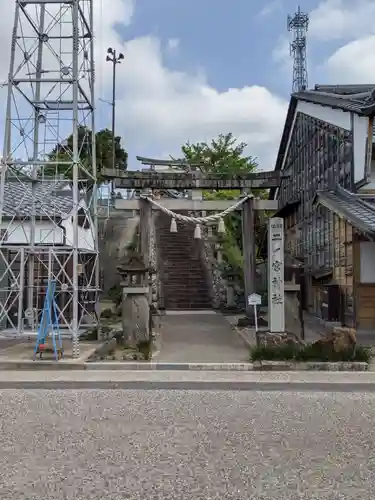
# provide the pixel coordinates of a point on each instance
(309, 352)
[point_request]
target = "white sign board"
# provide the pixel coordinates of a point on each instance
(254, 300)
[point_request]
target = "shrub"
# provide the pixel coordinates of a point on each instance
(145, 348)
(115, 294)
(90, 335)
(106, 313)
(309, 352)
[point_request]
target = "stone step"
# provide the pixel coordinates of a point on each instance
(194, 287)
(191, 278)
(183, 275)
(184, 255)
(196, 282)
(181, 295)
(181, 302)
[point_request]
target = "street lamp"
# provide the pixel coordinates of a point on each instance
(114, 59)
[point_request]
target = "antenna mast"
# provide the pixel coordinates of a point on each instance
(298, 24)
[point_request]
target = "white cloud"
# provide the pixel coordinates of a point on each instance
(158, 109)
(281, 55)
(350, 22)
(353, 63)
(173, 44)
(270, 8)
(342, 19)
(170, 107)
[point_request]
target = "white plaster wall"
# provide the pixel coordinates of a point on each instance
(85, 236)
(371, 184)
(343, 119)
(367, 262)
(335, 116)
(47, 233)
(360, 132)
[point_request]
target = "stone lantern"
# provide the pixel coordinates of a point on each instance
(135, 302)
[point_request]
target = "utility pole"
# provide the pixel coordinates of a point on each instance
(114, 59)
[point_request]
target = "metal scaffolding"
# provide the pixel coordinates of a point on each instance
(48, 188)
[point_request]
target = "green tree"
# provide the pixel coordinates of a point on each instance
(222, 155)
(62, 152)
(225, 155)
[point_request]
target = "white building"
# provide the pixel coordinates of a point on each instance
(54, 211)
(34, 250)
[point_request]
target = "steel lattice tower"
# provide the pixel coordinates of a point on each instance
(48, 188)
(298, 24)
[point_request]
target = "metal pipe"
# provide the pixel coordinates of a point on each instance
(7, 151)
(35, 170)
(94, 200)
(76, 159)
(114, 109)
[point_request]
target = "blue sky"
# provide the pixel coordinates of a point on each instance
(214, 46)
(194, 69)
(232, 41)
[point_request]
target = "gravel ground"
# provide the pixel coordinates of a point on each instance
(186, 445)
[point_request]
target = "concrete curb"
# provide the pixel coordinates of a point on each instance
(274, 366)
(113, 365)
(342, 366)
(35, 366)
(193, 380)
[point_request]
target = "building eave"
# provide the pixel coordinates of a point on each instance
(356, 211)
(320, 99)
(288, 208)
(331, 101)
(284, 138)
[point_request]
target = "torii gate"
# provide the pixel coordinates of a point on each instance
(188, 177)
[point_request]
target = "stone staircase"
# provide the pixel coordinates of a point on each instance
(181, 270)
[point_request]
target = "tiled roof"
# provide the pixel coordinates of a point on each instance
(50, 199)
(358, 212)
(359, 99)
(334, 101)
(355, 98)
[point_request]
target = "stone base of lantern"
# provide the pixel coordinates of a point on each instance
(135, 315)
(134, 290)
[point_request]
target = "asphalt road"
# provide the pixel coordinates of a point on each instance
(201, 445)
(188, 385)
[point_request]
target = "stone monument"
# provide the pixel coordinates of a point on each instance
(276, 299)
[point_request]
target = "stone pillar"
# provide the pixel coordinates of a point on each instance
(196, 195)
(145, 216)
(135, 314)
(276, 299)
(248, 243)
(145, 221)
(230, 296)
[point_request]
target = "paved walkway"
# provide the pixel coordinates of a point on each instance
(200, 338)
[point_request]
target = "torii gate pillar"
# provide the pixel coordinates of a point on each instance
(248, 244)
